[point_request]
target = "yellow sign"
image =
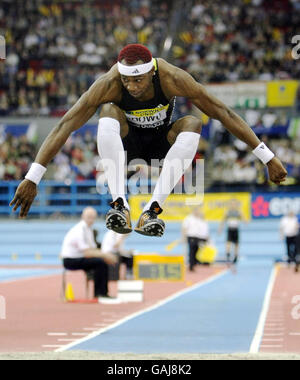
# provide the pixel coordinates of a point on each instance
(282, 93)
(216, 205)
(178, 206)
(154, 267)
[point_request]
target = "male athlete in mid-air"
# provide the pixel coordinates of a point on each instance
(137, 96)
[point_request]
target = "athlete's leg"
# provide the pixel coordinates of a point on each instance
(184, 137)
(236, 253)
(228, 250)
(193, 248)
(112, 126)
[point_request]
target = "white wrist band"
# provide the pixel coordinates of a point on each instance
(263, 153)
(35, 173)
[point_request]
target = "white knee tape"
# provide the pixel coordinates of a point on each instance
(188, 140)
(108, 124)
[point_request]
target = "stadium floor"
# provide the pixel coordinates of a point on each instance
(214, 313)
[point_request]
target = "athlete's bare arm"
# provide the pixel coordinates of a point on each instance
(105, 89)
(177, 82)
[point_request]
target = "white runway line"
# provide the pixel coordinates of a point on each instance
(271, 346)
(80, 334)
(254, 347)
(274, 328)
(153, 307)
(294, 333)
(57, 334)
(274, 334)
(90, 328)
(267, 340)
(52, 345)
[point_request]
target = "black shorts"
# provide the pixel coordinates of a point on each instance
(147, 144)
(233, 235)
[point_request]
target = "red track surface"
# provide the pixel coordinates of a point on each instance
(34, 309)
(282, 327)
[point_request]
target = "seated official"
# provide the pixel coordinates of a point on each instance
(79, 251)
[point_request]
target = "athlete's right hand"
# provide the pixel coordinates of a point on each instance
(24, 196)
(277, 172)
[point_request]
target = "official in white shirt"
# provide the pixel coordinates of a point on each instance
(79, 251)
(196, 231)
(289, 229)
(113, 243)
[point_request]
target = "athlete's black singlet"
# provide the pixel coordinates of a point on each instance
(148, 121)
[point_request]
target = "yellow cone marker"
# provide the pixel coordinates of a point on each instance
(69, 292)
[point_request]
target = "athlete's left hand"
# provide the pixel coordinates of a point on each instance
(277, 172)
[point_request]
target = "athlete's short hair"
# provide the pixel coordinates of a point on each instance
(135, 52)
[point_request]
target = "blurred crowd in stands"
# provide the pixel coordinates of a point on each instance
(77, 161)
(232, 162)
(16, 155)
(56, 50)
(241, 40)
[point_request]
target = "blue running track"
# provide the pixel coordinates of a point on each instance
(219, 316)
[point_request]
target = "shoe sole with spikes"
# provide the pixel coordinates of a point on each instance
(154, 228)
(117, 221)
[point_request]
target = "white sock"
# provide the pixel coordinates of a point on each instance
(112, 156)
(177, 160)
